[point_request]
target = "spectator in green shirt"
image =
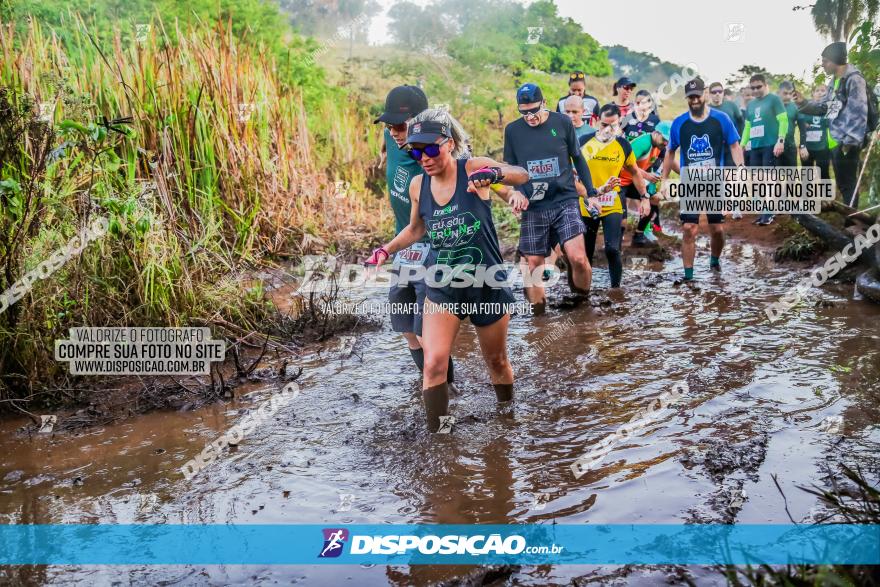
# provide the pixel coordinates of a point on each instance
(815, 140)
(789, 153)
(764, 133)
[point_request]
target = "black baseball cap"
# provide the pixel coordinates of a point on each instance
(402, 103)
(427, 131)
(528, 93)
(576, 76)
(694, 87)
(623, 82)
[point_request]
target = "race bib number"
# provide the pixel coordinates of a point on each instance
(542, 168)
(608, 199)
(704, 163)
(814, 136)
(834, 107)
(539, 190)
(414, 255)
(757, 132)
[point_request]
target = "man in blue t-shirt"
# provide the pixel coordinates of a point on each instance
(406, 301)
(702, 136)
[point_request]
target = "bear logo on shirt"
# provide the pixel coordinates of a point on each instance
(700, 148)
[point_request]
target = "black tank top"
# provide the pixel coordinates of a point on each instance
(462, 231)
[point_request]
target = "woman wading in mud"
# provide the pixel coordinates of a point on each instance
(451, 204)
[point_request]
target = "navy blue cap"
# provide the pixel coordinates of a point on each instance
(427, 131)
(528, 93)
(623, 82)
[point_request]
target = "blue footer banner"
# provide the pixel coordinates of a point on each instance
(381, 544)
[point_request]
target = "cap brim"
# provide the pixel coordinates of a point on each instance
(690, 93)
(425, 137)
(392, 118)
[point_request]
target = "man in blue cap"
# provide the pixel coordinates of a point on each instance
(545, 144)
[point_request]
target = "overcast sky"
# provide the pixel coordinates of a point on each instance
(718, 37)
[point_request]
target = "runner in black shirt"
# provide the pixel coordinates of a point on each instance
(545, 144)
(641, 120)
(451, 206)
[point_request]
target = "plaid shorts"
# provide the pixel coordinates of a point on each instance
(540, 229)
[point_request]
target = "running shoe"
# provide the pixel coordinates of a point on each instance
(737, 215)
(649, 235)
(639, 239)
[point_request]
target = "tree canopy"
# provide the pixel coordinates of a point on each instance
(500, 33)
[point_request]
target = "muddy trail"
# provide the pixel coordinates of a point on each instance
(788, 399)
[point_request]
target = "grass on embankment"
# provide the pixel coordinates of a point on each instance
(219, 168)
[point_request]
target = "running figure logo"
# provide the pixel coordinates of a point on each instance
(334, 540)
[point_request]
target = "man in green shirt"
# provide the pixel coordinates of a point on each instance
(718, 102)
(764, 133)
(789, 152)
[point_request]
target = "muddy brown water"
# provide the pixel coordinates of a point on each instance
(761, 399)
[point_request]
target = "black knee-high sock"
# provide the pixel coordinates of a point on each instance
(655, 214)
(450, 372)
(643, 223)
(418, 356)
(504, 391)
(615, 266)
(436, 400)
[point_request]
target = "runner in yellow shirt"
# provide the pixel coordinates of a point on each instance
(607, 154)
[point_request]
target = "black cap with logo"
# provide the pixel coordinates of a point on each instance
(694, 87)
(402, 103)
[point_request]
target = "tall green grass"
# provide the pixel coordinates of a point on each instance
(220, 168)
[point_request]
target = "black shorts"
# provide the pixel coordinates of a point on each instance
(695, 218)
(484, 305)
(562, 222)
(407, 302)
(630, 192)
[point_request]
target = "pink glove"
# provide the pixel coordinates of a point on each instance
(378, 257)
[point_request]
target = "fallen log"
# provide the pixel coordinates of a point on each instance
(868, 284)
(831, 236)
(866, 218)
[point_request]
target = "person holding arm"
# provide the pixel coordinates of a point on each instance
(846, 107)
(466, 277)
(401, 104)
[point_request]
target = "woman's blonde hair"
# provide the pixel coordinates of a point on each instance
(459, 135)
